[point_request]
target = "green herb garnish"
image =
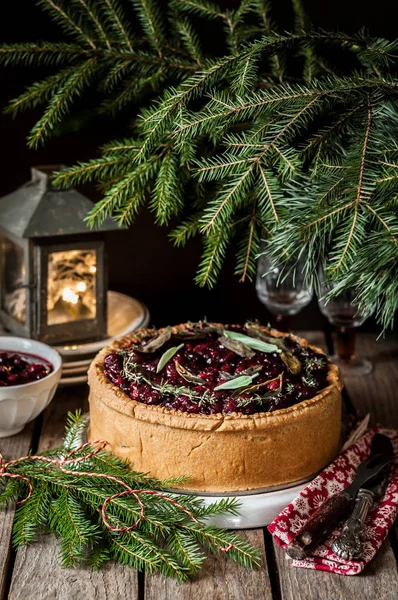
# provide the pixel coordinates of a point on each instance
(253, 343)
(238, 382)
(166, 356)
(310, 381)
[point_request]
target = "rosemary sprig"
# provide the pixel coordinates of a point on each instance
(131, 368)
(167, 389)
(134, 372)
(310, 381)
(258, 399)
(314, 363)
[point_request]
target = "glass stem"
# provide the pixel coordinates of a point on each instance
(281, 322)
(345, 343)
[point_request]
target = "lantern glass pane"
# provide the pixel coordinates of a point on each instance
(71, 286)
(13, 292)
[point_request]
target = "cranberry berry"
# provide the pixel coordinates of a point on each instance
(214, 364)
(21, 368)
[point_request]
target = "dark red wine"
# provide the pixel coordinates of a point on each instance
(19, 368)
(345, 343)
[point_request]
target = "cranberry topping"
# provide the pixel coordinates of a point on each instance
(21, 368)
(209, 361)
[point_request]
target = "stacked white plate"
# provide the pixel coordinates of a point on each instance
(125, 314)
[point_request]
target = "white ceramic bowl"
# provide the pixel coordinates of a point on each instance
(20, 404)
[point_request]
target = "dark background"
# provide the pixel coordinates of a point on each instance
(142, 261)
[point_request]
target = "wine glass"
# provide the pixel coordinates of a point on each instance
(281, 287)
(342, 311)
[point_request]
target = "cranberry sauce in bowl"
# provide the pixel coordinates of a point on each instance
(206, 369)
(19, 368)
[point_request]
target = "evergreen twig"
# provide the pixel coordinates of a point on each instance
(243, 149)
(169, 537)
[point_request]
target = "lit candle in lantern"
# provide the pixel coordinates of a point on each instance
(70, 296)
(72, 301)
(81, 286)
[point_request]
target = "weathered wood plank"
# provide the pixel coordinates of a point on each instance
(377, 392)
(372, 393)
(37, 571)
(38, 574)
(11, 447)
(379, 581)
(219, 579)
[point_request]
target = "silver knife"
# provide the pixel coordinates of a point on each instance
(336, 507)
(349, 545)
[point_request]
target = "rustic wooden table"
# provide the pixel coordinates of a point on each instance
(35, 572)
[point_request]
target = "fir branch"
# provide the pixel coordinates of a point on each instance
(190, 40)
(167, 198)
(242, 151)
(61, 15)
(114, 15)
(157, 120)
(201, 8)
(41, 53)
(267, 186)
(122, 191)
(95, 20)
(248, 251)
(58, 106)
(187, 230)
(360, 190)
(215, 247)
(67, 502)
(131, 90)
(128, 210)
(39, 92)
(263, 9)
(151, 21)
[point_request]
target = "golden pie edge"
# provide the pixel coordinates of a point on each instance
(219, 453)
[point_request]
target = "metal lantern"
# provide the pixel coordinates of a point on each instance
(52, 267)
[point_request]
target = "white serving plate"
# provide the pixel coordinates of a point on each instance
(125, 314)
(256, 509)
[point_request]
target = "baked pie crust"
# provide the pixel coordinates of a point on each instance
(219, 453)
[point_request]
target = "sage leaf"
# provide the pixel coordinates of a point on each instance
(292, 362)
(237, 347)
(250, 371)
(166, 356)
(257, 387)
(253, 343)
(157, 342)
(238, 382)
(187, 375)
(197, 333)
(260, 335)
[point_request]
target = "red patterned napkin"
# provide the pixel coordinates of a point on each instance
(332, 480)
